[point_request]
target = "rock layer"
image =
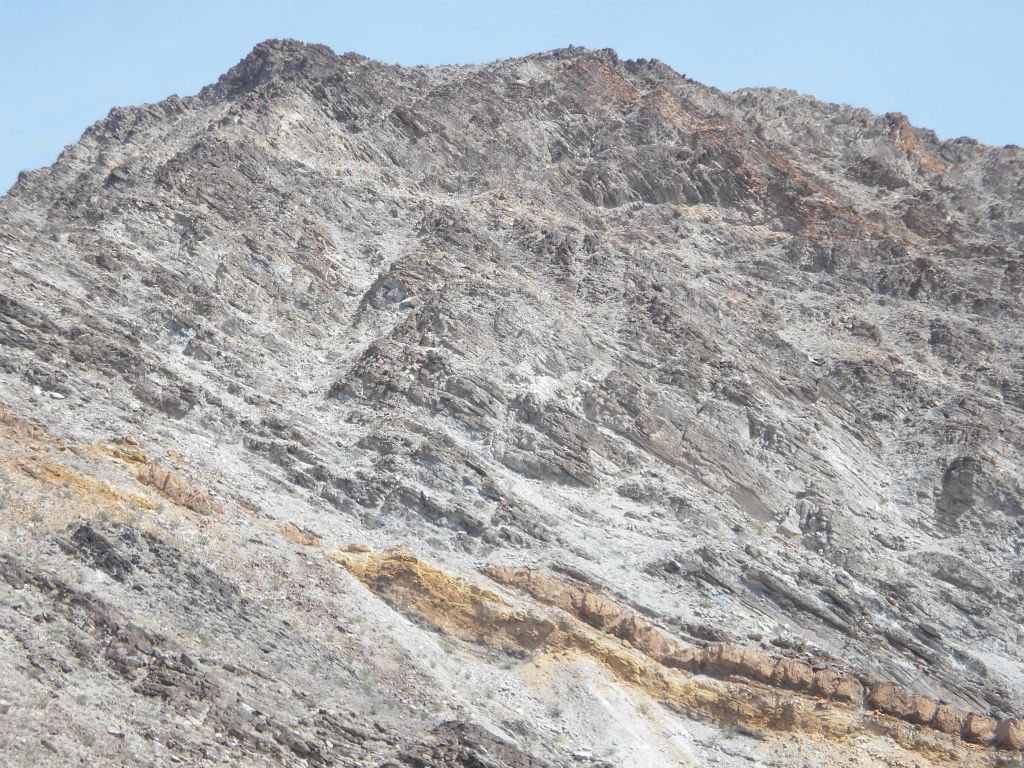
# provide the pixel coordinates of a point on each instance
(461, 609)
(726, 660)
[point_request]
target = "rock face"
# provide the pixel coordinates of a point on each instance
(745, 363)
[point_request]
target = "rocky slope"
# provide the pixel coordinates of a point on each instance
(697, 417)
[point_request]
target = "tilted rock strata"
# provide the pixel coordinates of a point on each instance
(186, 670)
(172, 486)
(753, 359)
(724, 659)
(587, 622)
(643, 656)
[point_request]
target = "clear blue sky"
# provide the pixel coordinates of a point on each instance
(955, 67)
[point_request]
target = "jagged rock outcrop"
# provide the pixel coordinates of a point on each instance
(726, 660)
(647, 659)
(746, 367)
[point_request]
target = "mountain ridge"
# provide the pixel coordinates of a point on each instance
(744, 363)
(268, 48)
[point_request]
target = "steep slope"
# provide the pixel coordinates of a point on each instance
(746, 364)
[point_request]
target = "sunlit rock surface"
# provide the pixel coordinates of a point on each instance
(742, 369)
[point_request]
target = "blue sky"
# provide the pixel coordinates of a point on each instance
(956, 67)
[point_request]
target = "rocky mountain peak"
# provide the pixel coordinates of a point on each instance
(278, 59)
(559, 410)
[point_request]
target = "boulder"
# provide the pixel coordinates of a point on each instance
(1010, 734)
(686, 657)
(948, 719)
(922, 709)
(643, 636)
(729, 659)
(978, 729)
(891, 699)
(850, 690)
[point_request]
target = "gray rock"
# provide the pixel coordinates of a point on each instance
(746, 359)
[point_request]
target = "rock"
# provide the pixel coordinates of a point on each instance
(948, 719)
(724, 658)
(979, 729)
(922, 709)
(850, 690)
(717, 365)
(175, 488)
(793, 674)
(599, 612)
(1009, 734)
(92, 546)
(643, 636)
(790, 526)
(685, 657)
(891, 699)
(299, 535)
(837, 685)
(757, 666)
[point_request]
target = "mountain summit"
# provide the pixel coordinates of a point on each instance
(554, 411)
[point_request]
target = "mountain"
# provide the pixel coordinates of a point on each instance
(555, 411)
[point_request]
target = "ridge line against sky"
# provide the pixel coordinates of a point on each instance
(952, 68)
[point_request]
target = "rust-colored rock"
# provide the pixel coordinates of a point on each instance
(758, 666)
(682, 656)
(979, 729)
(175, 488)
(458, 608)
(724, 658)
(598, 612)
(643, 636)
(728, 659)
(837, 685)
(20, 427)
(891, 699)
(298, 535)
(922, 710)
(1010, 734)
(850, 690)
(948, 719)
(793, 674)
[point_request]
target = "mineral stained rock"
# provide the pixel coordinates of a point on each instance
(705, 410)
